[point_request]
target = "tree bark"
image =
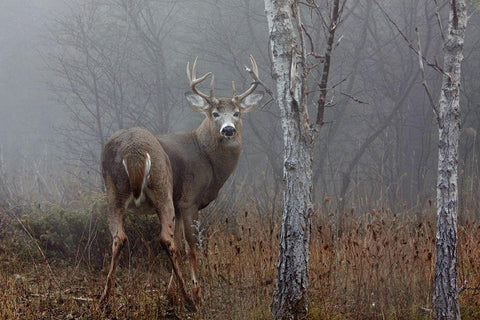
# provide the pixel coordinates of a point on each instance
(290, 299)
(445, 299)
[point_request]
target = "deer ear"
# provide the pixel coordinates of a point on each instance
(196, 102)
(251, 102)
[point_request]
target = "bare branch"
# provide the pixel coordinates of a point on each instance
(434, 65)
(338, 83)
(310, 40)
(435, 107)
(439, 21)
(266, 103)
(334, 19)
(357, 100)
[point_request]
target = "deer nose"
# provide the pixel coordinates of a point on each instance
(228, 131)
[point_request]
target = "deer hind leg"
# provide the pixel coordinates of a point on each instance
(189, 216)
(166, 213)
(178, 239)
(115, 224)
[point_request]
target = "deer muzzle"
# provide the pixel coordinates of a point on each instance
(228, 130)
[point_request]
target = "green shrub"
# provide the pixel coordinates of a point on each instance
(81, 236)
(67, 234)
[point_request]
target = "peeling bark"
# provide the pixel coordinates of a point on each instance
(290, 299)
(288, 37)
(445, 299)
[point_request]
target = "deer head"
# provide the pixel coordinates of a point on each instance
(224, 114)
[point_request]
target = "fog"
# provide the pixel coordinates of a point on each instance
(27, 114)
(59, 60)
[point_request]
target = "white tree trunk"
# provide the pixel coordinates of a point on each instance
(445, 299)
(290, 299)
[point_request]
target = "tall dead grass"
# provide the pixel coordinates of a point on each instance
(380, 267)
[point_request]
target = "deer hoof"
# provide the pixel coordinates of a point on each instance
(173, 297)
(197, 295)
(103, 301)
(105, 307)
(190, 305)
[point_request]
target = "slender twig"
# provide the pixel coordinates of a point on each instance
(434, 65)
(354, 98)
(338, 83)
(267, 89)
(266, 103)
(310, 40)
(439, 21)
(424, 81)
(309, 4)
(335, 15)
(338, 41)
(312, 46)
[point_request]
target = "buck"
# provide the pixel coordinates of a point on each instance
(175, 175)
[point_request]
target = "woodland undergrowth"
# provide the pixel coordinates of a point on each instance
(54, 259)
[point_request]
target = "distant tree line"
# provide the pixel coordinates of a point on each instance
(120, 63)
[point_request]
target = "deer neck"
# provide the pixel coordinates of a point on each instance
(222, 154)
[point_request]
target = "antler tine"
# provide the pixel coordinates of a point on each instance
(253, 71)
(194, 68)
(188, 73)
(234, 88)
(193, 81)
(212, 85)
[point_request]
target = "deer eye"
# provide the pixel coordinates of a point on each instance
(236, 114)
(215, 114)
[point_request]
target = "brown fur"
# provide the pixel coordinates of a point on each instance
(133, 144)
(187, 171)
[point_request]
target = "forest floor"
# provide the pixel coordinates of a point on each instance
(380, 267)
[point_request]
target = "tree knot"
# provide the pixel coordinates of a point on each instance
(290, 165)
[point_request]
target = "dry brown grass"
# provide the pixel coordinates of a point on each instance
(381, 267)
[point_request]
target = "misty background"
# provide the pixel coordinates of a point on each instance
(73, 72)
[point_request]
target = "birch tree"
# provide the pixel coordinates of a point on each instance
(288, 42)
(447, 111)
(447, 114)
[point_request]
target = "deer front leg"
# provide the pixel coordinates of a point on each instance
(190, 216)
(167, 220)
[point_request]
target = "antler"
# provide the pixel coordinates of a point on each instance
(193, 81)
(254, 74)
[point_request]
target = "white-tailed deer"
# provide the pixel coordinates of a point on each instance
(175, 175)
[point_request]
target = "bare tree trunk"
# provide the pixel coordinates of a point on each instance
(445, 299)
(290, 299)
(288, 37)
